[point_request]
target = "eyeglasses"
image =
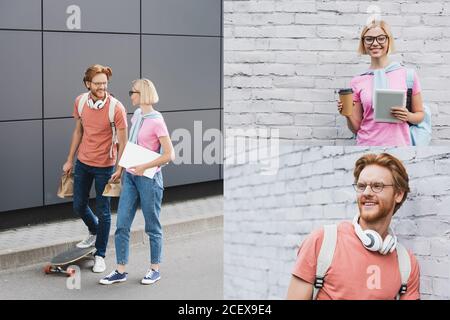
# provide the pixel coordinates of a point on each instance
(130, 93)
(376, 187)
(381, 39)
(98, 84)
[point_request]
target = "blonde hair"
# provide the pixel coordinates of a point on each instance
(395, 166)
(147, 91)
(385, 27)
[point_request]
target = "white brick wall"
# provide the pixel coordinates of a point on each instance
(285, 58)
(267, 217)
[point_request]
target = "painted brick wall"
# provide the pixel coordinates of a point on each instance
(283, 60)
(268, 216)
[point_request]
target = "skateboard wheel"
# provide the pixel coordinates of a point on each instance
(48, 269)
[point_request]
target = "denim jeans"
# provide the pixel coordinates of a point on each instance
(99, 224)
(149, 193)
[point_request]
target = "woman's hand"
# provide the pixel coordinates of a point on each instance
(138, 170)
(340, 106)
(401, 113)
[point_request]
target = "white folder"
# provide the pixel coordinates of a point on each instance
(134, 155)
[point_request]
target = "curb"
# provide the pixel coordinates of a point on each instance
(172, 230)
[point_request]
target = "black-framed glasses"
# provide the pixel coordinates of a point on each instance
(130, 93)
(98, 84)
(376, 187)
(381, 39)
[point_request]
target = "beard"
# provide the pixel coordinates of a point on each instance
(98, 94)
(377, 212)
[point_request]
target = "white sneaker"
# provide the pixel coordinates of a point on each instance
(99, 265)
(88, 242)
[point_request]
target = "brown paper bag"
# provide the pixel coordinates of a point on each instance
(112, 189)
(65, 188)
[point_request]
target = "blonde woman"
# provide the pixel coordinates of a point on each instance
(150, 131)
(377, 42)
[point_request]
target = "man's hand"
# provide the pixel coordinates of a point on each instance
(116, 175)
(67, 167)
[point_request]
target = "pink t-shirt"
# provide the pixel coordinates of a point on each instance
(352, 268)
(373, 133)
(97, 134)
(150, 132)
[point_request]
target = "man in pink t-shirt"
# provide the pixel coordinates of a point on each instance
(97, 153)
(364, 264)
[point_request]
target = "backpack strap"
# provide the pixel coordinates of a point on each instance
(112, 106)
(325, 257)
(404, 264)
(409, 85)
(81, 102)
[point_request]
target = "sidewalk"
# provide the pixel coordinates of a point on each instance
(29, 245)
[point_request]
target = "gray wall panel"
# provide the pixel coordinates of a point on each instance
(21, 75)
(66, 57)
(57, 138)
(20, 14)
(185, 70)
(188, 17)
(191, 173)
(95, 15)
(21, 164)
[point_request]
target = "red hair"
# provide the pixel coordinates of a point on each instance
(95, 69)
(397, 169)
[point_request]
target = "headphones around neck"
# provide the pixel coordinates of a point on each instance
(97, 105)
(372, 240)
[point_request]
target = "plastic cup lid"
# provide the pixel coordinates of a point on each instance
(345, 91)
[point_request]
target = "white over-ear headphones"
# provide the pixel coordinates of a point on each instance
(372, 240)
(97, 105)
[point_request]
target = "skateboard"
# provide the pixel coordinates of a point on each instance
(74, 254)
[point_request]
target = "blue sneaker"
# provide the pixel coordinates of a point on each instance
(151, 277)
(114, 277)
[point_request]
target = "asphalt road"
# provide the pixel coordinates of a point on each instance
(192, 268)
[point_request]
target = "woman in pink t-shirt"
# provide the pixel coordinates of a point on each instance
(149, 131)
(377, 41)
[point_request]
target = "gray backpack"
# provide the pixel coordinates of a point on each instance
(326, 257)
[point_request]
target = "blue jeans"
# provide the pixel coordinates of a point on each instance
(99, 224)
(149, 193)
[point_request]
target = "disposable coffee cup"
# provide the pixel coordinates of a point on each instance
(346, 97)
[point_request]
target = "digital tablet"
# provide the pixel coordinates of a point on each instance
(384, 100)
